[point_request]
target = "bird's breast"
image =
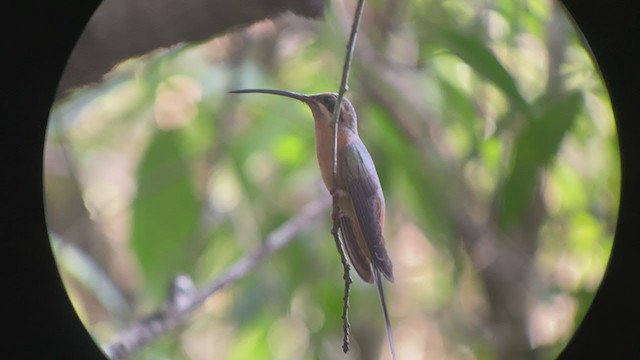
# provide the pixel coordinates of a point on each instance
(324, 152)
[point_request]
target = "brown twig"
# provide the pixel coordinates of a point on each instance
(174, 313)
(351, 44)
(347, 285)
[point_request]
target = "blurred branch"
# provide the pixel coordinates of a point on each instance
(123, 29)
(91, 275)
(175, 313)
(69, 217)
(556, 43)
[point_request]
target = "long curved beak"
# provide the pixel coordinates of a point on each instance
(294, 95)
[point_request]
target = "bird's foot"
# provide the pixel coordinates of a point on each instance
(336, 213)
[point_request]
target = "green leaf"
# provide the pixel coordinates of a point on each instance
(537, 144)
(479, 57)
(460, 110)
(403, 160)
(165, 212)
(252, 342)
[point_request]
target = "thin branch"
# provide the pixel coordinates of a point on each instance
(174, 313)
(347, 283)
(351, 44)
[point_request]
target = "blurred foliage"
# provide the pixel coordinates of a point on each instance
(496, 148)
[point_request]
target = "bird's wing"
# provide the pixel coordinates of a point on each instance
(359, 259)
(359, 176)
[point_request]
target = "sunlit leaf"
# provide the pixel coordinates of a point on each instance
(251, 342)
(289, 150)
(476, 54)
(460, 110)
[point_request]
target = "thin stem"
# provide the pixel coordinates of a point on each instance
(351, 44)
(347, 287)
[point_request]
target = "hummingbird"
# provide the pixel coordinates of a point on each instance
(361, 206)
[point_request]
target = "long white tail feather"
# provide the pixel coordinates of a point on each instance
(387, 322)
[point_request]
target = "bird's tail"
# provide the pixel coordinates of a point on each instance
(387, 322)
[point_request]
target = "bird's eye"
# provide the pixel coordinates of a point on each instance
(329, 102)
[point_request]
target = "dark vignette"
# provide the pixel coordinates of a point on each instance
(609, 330)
